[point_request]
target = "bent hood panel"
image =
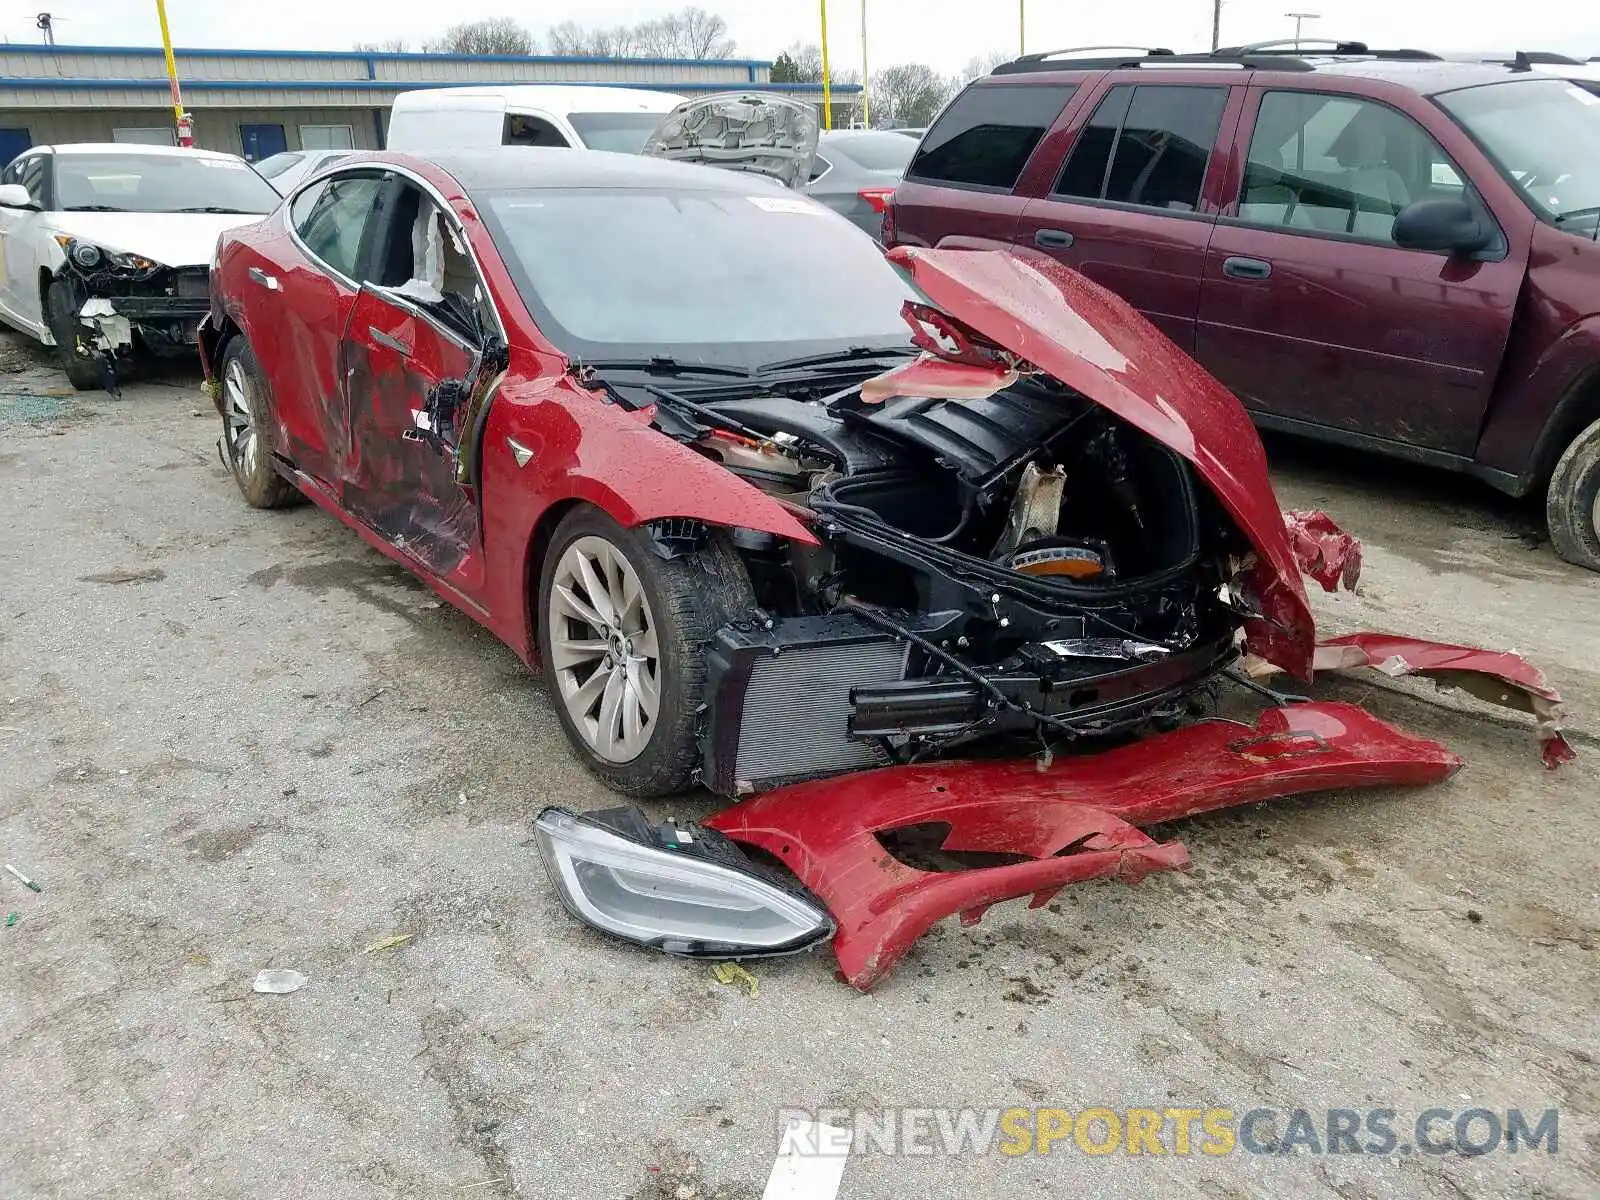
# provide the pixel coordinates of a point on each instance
(1094, 342)
(740, 131)
(171, 239)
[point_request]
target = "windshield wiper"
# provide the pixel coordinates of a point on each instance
(212, 208)
(839, 357)
(659, 365)
(94, 208)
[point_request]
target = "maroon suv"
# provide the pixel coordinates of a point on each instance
(1381, 249)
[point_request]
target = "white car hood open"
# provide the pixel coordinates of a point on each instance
(741, 131)
(172, 239)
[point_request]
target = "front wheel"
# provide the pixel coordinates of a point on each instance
(84, 372)
(1572, 506)
(622, 640)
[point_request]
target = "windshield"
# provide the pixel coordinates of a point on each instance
(888, 152)
(1544, 134)
(623, 133)
(159, 183)
(271, 168)
(699, 277)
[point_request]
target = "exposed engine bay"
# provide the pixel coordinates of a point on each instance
(1019, 563)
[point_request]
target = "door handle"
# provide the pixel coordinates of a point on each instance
(1052, 239)
(270, 282)
(1246, 268)
(389, 340)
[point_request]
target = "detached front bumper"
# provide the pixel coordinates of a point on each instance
(1078, 820)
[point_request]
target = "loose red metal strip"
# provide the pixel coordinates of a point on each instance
(1079, 820)
(1324, 551)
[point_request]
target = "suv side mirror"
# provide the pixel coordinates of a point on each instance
(14, 195)
(1450, 226)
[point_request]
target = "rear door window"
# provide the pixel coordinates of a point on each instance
(333, 225)
(1148, 146)
(984, 138)
(524, 129)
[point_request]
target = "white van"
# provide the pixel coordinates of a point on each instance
(475, 118)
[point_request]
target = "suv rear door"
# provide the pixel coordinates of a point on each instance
(1311, 313)
(1134, 203)
(960, 182)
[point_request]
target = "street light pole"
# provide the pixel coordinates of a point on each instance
(827, 86)
(1216, 25)
(1022, 26)
(866, 102)
(1298, 18)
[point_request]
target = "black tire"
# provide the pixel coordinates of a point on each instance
(1572, 506)
(84, 372)
(247, 437)
(689, 598)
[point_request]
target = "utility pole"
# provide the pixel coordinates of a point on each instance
(47, 26)
(827, 85)
(1022, 26)
(184, 122)
(866, 102)
(1216, 25)
(1298, 18)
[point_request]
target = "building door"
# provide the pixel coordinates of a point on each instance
(12, 143)
(262, 141)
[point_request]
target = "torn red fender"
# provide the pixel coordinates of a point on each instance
(1324, 551)
(1498, 677)
(1078, 820)
(938, 378)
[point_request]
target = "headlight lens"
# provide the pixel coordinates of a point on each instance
(86, 256)
(684, 891)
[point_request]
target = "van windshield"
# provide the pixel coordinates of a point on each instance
(1544, 135)
(623, 133)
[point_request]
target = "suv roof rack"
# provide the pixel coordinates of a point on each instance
(1063, 60)
(1338, 49)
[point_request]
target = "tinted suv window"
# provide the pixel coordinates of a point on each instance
(985, 136)
(1147, 146)
(334, 223)
(1335, 164)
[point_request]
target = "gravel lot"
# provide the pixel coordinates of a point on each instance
(232, 740)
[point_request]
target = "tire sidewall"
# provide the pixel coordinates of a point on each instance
(81, 371)
(262, 487)
(1570, 507)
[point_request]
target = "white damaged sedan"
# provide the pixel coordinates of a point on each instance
(107, 247)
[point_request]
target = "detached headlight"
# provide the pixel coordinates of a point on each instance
(687, 891)
(86, 256)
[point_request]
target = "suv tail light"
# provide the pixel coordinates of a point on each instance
(885, 205)
(877, 197)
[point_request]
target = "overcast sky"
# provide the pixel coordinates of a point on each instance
(943, 33)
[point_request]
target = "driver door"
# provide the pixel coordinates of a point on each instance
(419, 361)
(21, 231)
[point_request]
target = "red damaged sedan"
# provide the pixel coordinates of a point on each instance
(768, 508)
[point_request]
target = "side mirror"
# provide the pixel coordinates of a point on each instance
(14, 195)
(1442, 226)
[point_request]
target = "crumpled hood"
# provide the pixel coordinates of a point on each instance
(741, 131)
(172, 239)
(1095, 343)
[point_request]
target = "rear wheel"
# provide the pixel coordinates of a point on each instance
(1572, 506)
(246, 441)
(622, 639)
(84, 372)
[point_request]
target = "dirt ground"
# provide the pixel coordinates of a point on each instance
(232, 740)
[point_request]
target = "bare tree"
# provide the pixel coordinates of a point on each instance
(980, 65)
(387, 46)
(497, 35)
(807, 60)
(912, 93)
(689, 33)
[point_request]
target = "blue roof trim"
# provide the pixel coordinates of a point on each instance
(401, 56)
(55, 83)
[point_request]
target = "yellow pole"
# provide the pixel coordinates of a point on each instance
(827, 85)
(1022, 26)
(185, 135)
(866, 102)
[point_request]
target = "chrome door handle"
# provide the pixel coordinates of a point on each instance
(1052, 239)
(270, 282)
(389, 340)
(1236, 267)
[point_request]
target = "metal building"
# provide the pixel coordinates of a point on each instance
(258, 102)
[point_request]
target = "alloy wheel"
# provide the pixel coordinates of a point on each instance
(603, 649)
(237, 415)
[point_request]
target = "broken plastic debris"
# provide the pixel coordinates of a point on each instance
(196, 959)
(26, 882)
(732, 973)
(279, 981)
(389, 943)
(12, 920)
(1323, 551)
